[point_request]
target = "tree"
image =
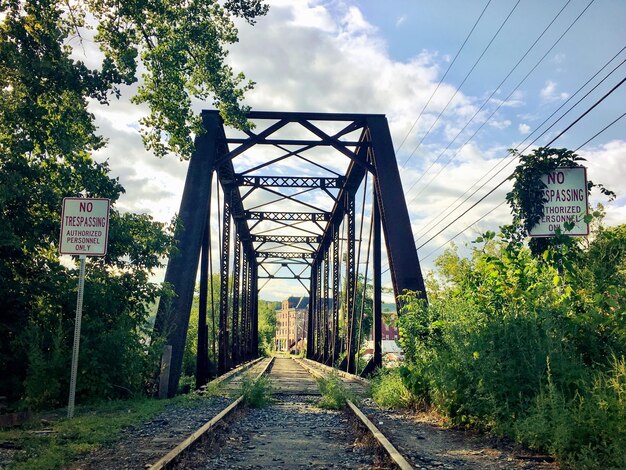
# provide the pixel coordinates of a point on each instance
(47, 135)
(267, 325)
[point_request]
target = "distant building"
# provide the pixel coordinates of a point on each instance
(291, 323)
(389, 332)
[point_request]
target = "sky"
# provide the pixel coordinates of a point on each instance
(455, 101)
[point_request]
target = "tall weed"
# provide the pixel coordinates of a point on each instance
(334, 393)
(257, 393)
(389, 390)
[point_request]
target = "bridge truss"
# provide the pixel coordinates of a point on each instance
(273, 225)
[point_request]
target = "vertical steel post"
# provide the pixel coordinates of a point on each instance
(254, 310)
(325, 300)
(202, 359)
(223, 359)
(336, 294)
(376, 281)
(243, 345)
(319, 308)
(236, 327)
(350, 282)
(310, 327)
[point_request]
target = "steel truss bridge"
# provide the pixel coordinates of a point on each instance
(272, 225)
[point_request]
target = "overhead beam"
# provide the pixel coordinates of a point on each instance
(290, 216)
(285, 239)
(290, 181)
(283, 255)
(301, 142)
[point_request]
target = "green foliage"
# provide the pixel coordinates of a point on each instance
(527, 347)
(191, 344)
(256, 393)
(334, 393)
(47, 134)
(389, 390)
(267, 326)
(585, 430)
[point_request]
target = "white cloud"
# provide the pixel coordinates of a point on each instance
(500, 124)
(400, 20)
(549, 93)
(523, 128)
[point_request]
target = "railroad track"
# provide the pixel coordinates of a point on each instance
(292, 432)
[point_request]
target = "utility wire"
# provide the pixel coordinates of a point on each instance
(504, 101)
(442, 78)
(576, 121)
(464, 80)
(600, 132)
(512, 155)
(496, 207)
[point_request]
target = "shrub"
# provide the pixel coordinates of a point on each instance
(390, 391)
(334, 393)
(586, 431)
(257, 393)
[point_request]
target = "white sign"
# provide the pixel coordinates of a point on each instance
(566, 195)
(84, 226)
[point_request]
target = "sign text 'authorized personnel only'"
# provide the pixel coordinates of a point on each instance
(84, 226)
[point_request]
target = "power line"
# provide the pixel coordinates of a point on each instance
(512, 155)
(496, 207)
(443, 78)
(600, 132)
(576, 121)
(504, 101)
(464, 80)
(462, 231)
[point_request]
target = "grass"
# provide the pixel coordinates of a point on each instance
(334, 393)
(91, 428)
(389, 391)
(257, 393)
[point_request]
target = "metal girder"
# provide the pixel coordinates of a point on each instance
(202, 352)
(245, 295)
(222, 363)
(326, 342)
(318, 315)
(236, 333)
(310, 349)
(290, 216)
(284, 255)
(285, 239)
(336, 293)
(297, 278)
(350, 279)
(254, 311)
(290, 181)
(172, 319)
(403, 261)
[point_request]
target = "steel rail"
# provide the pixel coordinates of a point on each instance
(170, 458)
(393, 453)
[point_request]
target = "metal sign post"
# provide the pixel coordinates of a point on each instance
(84, 232)
(79, 316)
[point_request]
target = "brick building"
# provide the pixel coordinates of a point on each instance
(291, 323)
